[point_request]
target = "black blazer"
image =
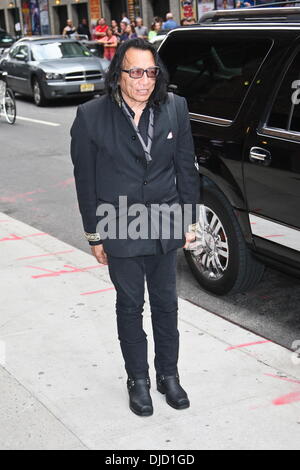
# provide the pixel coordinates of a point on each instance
(109, 162)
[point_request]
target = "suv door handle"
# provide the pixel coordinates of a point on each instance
(259, 154)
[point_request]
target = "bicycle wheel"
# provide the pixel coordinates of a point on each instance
(9, 106)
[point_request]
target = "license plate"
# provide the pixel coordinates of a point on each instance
(87, 87)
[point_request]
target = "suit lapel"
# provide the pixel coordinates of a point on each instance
(162, 129)
(121, 137)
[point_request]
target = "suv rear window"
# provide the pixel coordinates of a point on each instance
(285, 113)
(213, 74)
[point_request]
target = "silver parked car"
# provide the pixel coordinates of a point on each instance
(52, 67)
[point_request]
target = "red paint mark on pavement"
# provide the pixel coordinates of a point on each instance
(287, 399)
(48, 254)
(247, 344)
(275, 235)
(97, 291)
(286, 379)
(51, 273)
(66, 182)
(21, 196)
(14, 237)
(256, 407)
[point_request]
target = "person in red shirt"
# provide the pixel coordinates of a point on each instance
(110, 42)
(101, 29)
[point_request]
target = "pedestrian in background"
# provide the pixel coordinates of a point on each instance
(140, 29)
(130, 30)
(84, 29)
(116, 29)
(155, 28)
(101, 28)
(125, 19)
(69, 29)
(124, 34)
(170, 23)
(110, 42)
(245, 3)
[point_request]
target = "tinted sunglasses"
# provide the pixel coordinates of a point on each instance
(136, 72)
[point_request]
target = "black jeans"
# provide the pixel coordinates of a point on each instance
(128, 276)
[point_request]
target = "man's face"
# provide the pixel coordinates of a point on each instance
(137, 90)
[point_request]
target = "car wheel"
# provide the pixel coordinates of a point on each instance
(221, 261)
(38, 94)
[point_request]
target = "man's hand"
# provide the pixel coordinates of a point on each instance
(99, 253)
(189, 237)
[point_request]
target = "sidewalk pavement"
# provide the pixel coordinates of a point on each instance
(62, 379)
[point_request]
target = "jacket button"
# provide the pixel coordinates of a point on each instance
(147, 204)
(145, 182)
(133, 137)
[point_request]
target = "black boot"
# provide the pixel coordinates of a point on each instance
(175, 395)
(140, 401)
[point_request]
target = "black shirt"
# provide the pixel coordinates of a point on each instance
(143, 123)
(84, 29)
(143, 128)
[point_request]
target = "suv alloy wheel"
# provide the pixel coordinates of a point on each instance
(222, 263)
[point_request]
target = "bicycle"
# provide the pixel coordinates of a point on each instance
(7, 100)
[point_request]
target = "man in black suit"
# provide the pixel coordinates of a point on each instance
(84, 29)
(126, 145)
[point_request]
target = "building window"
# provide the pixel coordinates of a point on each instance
(161, 8)
(134, 9)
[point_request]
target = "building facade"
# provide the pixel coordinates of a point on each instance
(50, 16)
(10, 15)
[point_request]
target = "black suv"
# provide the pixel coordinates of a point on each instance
(240, 73)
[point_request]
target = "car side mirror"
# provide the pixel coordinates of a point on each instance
(22, 57)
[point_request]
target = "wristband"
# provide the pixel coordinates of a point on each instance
(193, 227)
(92, 237)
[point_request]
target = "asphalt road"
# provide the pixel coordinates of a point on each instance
(37, 187)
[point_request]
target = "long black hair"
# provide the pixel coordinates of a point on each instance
(160, 92)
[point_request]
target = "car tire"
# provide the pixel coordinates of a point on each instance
(38, 94)
(223, 263)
